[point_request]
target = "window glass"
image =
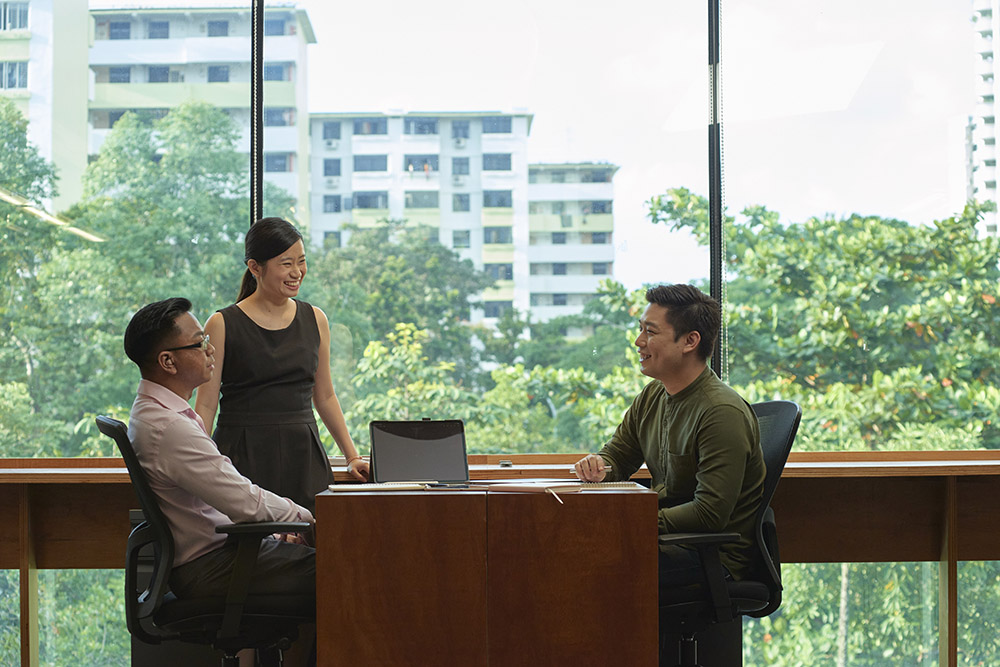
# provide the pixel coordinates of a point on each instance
(218, 73)
(158, 73)
(371, 126)
(492, 235)
(460, 166)
(274, 72)
(460, 129)
(420, 126)
(376, 200)
(461, 201)
(331, 166)
(274, 27)
(497, 199)
(460, 238)
(558, 238)
(497, 125)
(13, 15)
(331, 129)
(218, 28)
(496, 162)
(499, 271)
(420, 163)
(276, 162)
(331, 203)
(120, 74)
(371, 163)
(159, 30)
(421, 199)
(119, 30)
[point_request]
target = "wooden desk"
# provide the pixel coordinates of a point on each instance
(476, 578)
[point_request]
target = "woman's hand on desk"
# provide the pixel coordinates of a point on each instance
(359, 469)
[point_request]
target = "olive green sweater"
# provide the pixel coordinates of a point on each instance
(702, 449)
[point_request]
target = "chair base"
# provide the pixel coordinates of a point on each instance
(719, 645)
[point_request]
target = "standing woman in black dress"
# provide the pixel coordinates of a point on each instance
(274, 352)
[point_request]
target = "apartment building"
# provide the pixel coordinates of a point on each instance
(570, 235)
(983, 150)
(465, 175)
(43, 70)
(155, 55)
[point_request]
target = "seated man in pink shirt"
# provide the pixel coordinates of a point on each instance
(198, 488)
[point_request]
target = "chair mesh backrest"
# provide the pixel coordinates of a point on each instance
(779, 422)
(154, 530)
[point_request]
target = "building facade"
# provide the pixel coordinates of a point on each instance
(160, 55)
(43, 70)
(983, 185)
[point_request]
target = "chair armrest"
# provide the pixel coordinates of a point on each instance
(696, 539)
(265, 528)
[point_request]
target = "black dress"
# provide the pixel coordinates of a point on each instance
(266, 423)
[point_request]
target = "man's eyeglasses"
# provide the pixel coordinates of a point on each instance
(200, 345)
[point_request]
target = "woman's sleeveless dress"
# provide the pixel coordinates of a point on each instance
(266, 424)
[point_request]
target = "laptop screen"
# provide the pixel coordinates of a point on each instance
(406, 451)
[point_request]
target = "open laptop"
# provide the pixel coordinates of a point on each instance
(419, 451)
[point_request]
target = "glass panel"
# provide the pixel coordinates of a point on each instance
(10, 617)
(979, 612)
(860, 283)
(81, 618)
(874, 614)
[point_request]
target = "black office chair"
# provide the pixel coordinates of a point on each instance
(688, 611)
(268, 623)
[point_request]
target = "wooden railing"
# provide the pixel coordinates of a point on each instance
(830, 507)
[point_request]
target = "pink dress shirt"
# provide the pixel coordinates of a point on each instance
(198, 487)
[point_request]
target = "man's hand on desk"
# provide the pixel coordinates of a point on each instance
(592, 468)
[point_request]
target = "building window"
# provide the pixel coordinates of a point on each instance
(158, 74)
(558, 299)
(114, 117)
(459, 129)
(496, 125)
(331, 129)
(598, 238)
(420, 163)
(13, 15)
(557, 176)
(218, 73)
(13, 75)
(499, 271)
(277, 162)
(331, 239)
(496, 161)
(278, 117)
(331, 167)
(371, 163)
(496, 308)
(596, 176)
(120, 74)
(460, 166)
(158, 30)
(274, 72)
(559, 268)
(589, 207)
(371, 200)
(461, 238)
(218, 28)
(461, 202)
(498, 235)
(331, 203)
(420, 126)
(558, 238)
(421, 199)
(274, 27)
(119, 30)
(497, 199)
(371, 126)
(599, 268)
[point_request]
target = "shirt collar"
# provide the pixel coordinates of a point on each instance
(162, 395)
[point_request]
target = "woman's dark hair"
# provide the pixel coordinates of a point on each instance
(151, 327)
(267, 238)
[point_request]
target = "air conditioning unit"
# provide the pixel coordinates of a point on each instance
(457, 180)
(332, 143)
(459, 142)
(332, 181)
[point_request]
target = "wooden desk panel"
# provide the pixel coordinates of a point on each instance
(572, 584)
(401, 578)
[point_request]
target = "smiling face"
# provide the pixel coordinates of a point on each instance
(661, 351)
(282, 275)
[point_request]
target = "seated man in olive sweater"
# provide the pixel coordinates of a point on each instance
(698, 438)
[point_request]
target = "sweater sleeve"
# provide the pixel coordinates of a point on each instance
(624, 451)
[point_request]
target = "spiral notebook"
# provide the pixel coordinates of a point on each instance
(419, 451)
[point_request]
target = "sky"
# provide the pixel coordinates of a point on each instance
(829, 106)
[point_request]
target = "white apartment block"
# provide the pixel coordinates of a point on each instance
(465, 175)
(155, 55)
(43, 70)
(986, 14)
(570, 245)
(543, 232)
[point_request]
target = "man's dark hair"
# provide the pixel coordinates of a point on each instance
(150, 328)
(689, 309)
